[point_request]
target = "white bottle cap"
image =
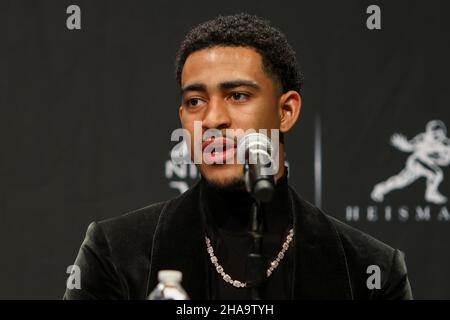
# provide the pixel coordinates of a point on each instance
(170, 276)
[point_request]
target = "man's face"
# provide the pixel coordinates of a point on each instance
(226, 88)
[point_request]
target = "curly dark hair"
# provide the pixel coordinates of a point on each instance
(279, 59)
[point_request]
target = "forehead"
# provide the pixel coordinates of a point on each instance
(218, 64)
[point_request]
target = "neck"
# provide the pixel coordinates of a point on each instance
(228, 211)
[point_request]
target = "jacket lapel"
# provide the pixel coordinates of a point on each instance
(320, 264)
(179, 244)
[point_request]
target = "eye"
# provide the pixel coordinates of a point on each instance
(239, 96)
(194, 102)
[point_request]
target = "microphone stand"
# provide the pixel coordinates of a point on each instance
(256, 261)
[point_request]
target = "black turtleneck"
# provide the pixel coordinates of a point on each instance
(227, 217)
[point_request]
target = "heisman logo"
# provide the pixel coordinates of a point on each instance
(429, 150)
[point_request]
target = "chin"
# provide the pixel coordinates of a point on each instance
(224, 176)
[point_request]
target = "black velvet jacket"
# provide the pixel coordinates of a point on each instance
(120, 257)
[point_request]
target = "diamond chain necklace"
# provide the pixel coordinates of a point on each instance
(238, 284)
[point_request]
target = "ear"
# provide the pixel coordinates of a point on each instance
(180, 112)
(290, 106)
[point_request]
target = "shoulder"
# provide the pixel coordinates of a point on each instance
(123, 242)
(135, 222)
(355, 241)
(135, 229)
(364, 256)
(115, 254)
(367, 257)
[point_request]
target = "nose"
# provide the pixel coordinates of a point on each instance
(216, 116)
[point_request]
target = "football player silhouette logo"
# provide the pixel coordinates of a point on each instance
(429, 150)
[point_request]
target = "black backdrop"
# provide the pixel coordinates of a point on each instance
(86, 117)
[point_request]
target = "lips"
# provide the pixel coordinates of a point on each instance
(218, 150)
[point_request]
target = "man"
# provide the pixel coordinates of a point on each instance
(236, 72)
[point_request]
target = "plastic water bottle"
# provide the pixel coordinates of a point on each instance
(169, 286)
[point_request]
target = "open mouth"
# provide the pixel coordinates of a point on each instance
(218, 150)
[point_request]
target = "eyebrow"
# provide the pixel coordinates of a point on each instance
(193, 87)
(223, 86)
(238, 83)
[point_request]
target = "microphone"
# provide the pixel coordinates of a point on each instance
(260, 158)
